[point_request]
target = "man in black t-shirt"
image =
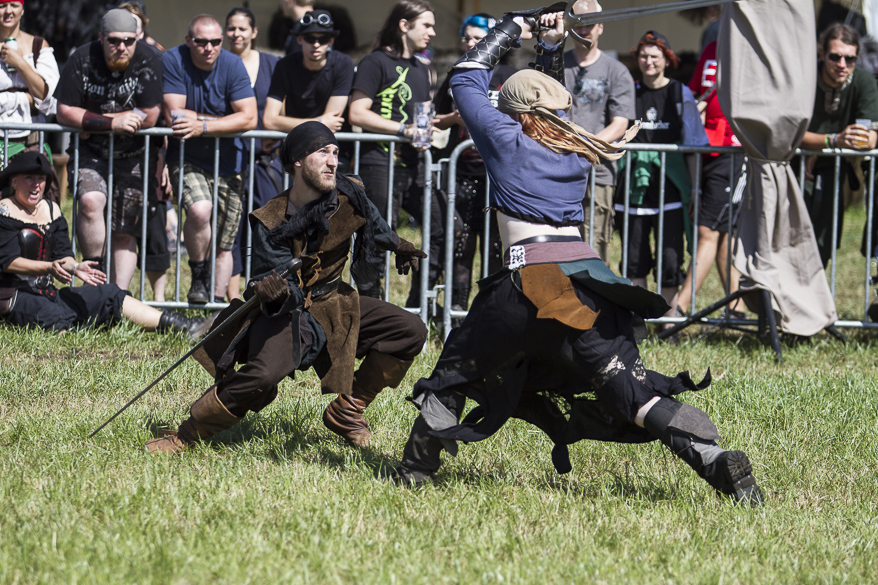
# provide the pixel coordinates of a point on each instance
(312, 84)
(389, 82)
(112, 84)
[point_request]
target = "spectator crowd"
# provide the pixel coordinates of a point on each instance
(124, 81)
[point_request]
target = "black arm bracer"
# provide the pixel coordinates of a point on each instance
(488, 52)
(555, 68)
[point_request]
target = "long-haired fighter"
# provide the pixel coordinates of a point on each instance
(549, 339)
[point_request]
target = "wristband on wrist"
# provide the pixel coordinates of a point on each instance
(96, 122)
(75, 266)
(826, 141)
(204, 126)
(401, 131)
(835, 141)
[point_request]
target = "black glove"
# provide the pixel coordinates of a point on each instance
(407, 256)
(272, 288)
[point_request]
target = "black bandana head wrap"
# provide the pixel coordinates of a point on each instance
(303, 140)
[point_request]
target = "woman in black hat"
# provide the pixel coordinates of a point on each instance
(35, 251)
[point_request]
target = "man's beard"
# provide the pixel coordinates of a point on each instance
(117, 63)
(314, 178)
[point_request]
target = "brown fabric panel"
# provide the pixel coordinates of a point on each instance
(273, 213)
(338, 313)
(552, 293)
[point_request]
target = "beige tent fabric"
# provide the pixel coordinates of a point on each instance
(767, 57)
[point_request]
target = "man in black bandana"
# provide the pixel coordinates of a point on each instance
(311, 318)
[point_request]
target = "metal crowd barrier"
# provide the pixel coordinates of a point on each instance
(663, 149)
(357, 138)
(428, 296)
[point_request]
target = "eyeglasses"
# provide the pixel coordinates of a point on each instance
(314, 39)
(211, 42)
(322, 19)
(115, 41)
(836, 57)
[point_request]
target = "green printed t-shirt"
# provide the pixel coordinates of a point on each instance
(395, 86)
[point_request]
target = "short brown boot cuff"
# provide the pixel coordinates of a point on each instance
(344, 417)
(209, 416)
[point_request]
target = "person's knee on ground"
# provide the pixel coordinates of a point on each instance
(344, 415)
(690, 434)
(207, 417)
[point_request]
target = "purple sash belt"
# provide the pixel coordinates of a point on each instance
(522, 254)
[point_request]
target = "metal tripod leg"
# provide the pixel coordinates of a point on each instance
(766, 315)
(701, 314)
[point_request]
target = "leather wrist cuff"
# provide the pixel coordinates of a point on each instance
(488, 52)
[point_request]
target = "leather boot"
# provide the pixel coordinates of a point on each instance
(194, 327)
(690, 434)
(199, 291)
(344, 415)
(207, 417)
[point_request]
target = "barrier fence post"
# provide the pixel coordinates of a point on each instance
(486, 234)
(144, 171)
(696, 204)
(180, 173)
(391, 155)
(591, 206)
(75, 189)
(108, 232)
(660, 237)
(835, 203)
(870, 209)
(625, 226)
(426, 238)
(248, 240)
(213, 220)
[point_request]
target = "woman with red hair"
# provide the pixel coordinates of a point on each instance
(668, 115)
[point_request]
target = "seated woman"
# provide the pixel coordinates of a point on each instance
(35, 249)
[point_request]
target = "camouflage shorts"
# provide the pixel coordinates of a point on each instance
(127, 189)
(198, 186)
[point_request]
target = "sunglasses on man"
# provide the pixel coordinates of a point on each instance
(116, 41)
(204, 42)
(836, 57)
(322, 19)
(314, 39)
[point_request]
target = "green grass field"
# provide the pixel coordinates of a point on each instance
(281, 499)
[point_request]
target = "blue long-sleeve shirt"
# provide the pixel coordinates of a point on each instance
(528, 181)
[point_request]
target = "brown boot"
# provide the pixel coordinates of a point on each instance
(207, 417)
(344, 415)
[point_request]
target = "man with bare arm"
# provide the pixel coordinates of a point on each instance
(207, 93)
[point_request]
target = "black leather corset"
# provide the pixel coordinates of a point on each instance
(36, 245)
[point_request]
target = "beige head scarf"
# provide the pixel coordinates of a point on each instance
(533, 92)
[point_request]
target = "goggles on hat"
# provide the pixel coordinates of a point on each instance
(321, 19)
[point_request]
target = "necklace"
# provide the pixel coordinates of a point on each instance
(24, 208)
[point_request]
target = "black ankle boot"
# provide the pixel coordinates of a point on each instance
(692, 436)
(194, 327)
(199, 291)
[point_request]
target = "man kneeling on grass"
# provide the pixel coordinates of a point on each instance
(311, 318)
